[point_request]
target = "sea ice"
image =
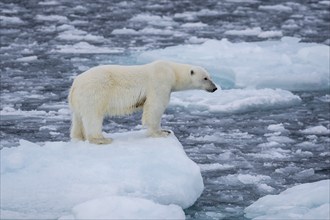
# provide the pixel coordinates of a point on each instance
(281, 8)
(320, 129)
(277, 127)
(154, 20)
(285, 64)
(10, 20)
(48, 181)
(235, 100)
(85, 48)
(305, 201)
(120, 207)
(53, 18)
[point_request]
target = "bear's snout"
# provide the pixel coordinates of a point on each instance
(211, 87)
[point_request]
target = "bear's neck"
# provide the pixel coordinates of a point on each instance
(182, 82)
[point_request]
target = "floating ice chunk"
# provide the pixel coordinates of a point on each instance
(58, 18)
(48, 3)
(125, 31)
(247, 32)
(320, 129)
(155, 20)
(325, 98)
(327, 3)
(10, 20)
(73, 34)
(187, 16)
(252, 179)
(304, 174)
(281, 139)
(215, 166)
(146, 31)
(305, 201)
(281, 8)
(120, 207)
(6, 111)
(285, 64)
(85, 48)
(156, 31)
(196, 40)
(48, 181)
(272, 153)
(277, 127)
(270, 34)
(27, 59)
(235, 100)
(194, 25)
(257, 31)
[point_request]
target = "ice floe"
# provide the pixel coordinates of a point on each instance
(305, 201)
(235, 100)
(70, 180)
(286, 64)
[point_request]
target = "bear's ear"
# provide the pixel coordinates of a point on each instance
(192, 72)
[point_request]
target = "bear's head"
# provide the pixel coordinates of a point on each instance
(201, 79)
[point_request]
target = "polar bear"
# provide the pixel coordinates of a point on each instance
(112, 90)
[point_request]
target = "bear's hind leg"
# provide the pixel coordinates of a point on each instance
(93, 129)
(77, 129)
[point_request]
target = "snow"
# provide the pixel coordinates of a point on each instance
(235, 100)
(286, 64)
(59, 179)
(305, 201)
(120, 207)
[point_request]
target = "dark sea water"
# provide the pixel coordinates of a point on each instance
(37, 71)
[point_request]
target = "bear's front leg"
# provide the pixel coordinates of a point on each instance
(153, 110)
(158, 133)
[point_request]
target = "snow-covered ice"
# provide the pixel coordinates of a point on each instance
(120, 207)
(235, 100)
(60, 179)
(305, 201)
(286, 64)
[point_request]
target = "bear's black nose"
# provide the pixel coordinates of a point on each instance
(215, 89)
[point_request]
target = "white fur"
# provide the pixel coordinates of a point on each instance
(120, 90)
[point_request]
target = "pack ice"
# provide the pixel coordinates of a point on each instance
(124, 180)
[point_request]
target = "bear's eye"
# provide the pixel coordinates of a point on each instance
(205, 78)
(192, 72)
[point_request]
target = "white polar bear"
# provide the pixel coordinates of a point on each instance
(111, 90)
